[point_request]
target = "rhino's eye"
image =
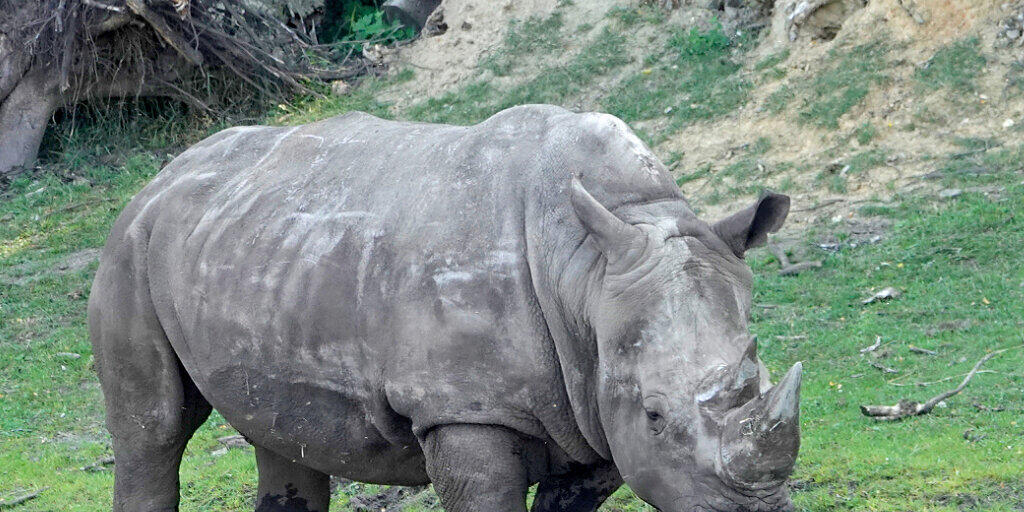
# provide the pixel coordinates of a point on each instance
(655, 419)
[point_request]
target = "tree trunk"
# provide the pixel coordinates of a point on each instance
(23, 118)
(12, 65)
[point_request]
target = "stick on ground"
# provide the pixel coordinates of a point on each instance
(99, 465)
(905, 408)
(788, 268)
(22, 499)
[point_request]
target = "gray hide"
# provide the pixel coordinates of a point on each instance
(401, 303)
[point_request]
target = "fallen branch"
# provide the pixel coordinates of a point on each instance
(22, 499)
(883, 368)
(788, 268)
(161, 27)
(821, 204)
(872, 347)
(925, 384)
(905, 408)
(792, 338)
(75, 206)
(100, 465)
(101, 5)
(920, 350)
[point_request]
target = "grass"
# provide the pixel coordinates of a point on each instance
(363, 98)
(844, 85)
(955, 67)
(525, 39)
(631, 16)
(553, 84)
(778, 99)
(865, 133)
(696, 79)
(772, 60)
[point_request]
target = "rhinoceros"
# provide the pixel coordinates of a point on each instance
(526, 300)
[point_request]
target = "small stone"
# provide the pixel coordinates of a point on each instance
(68, 355)
(950, 193)
(668, 110)
(1008, 123)
(466, 25)
(1013, 34)
(340, 88)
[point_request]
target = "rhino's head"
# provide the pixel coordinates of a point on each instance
(683, 399)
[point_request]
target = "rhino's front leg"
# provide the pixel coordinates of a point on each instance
(583, 489)
(477, 468)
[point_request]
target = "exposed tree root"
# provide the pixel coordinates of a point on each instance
(56, 53)
(905, 408)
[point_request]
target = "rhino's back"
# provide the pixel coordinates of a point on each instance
(377, 271)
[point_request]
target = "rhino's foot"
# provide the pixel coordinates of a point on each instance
(583, 489)
(477, 468)
(286, 486)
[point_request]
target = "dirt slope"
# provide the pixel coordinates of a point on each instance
(811, 143)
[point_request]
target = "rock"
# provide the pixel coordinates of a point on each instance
(230, 442)
(68, 355)
(340, 87)
(435, 24)
(950, 193)
(1008, 123)
(1013, 34)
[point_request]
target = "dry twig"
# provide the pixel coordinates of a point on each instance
(905, 408)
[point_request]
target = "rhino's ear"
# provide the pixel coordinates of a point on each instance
(749, 228)
(613, 236)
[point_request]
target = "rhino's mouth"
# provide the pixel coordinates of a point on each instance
(776, 502)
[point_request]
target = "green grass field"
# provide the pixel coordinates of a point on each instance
(958, 262)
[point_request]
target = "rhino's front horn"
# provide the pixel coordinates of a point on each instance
(760, 440)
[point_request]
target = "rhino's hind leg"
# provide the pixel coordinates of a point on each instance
(153, 406)
(286, 486)
(477, 468)
(583, 489)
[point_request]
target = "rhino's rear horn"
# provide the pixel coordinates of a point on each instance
(761, 439)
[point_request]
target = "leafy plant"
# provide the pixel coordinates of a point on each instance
(355, 23)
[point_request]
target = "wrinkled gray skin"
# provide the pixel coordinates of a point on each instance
(406, 303)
